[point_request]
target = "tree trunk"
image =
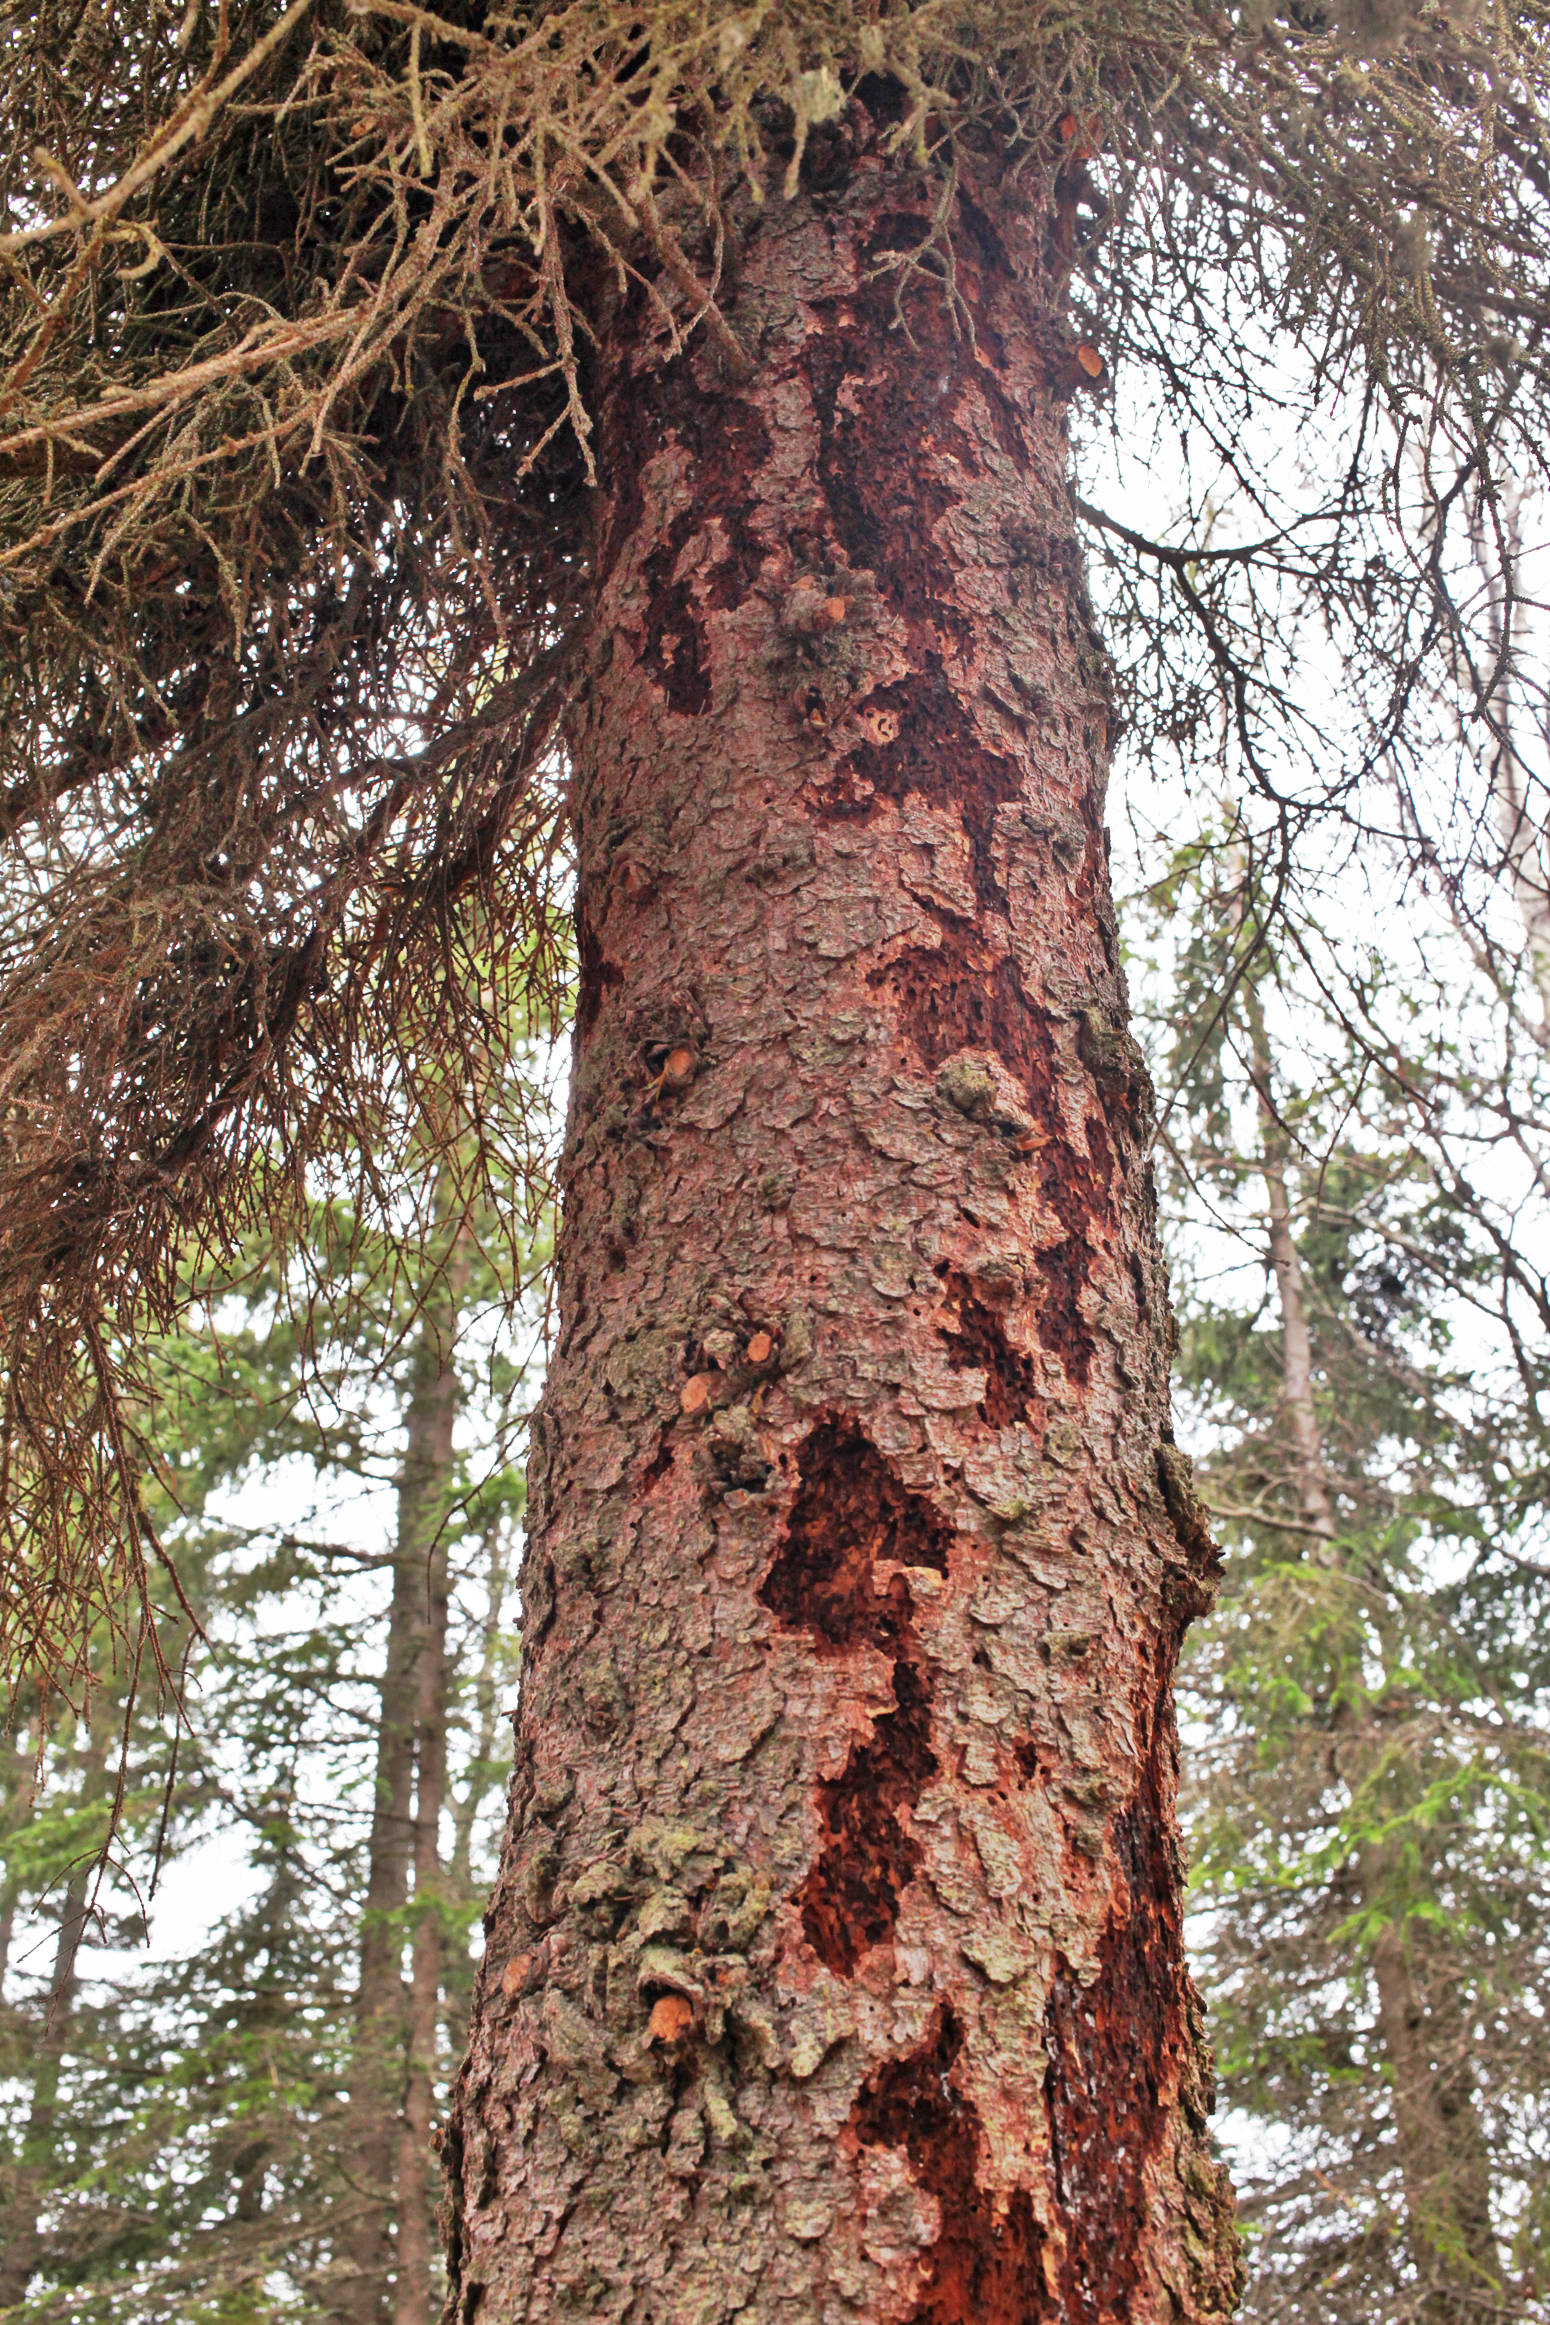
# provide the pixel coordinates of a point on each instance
(21, 2248)
(482, 1762)
(415, 1665)
(1442, 2150)
(835, 1966)
(485, 1770)
(412, 2276)
(1444, 2162)
(1298, 1410)
(1525, 842)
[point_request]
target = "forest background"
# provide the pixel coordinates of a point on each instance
(1353, 1175)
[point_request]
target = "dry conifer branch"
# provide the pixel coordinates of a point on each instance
(184, 128)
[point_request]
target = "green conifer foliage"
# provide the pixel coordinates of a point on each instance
(1371, 1799)
(199, 2152)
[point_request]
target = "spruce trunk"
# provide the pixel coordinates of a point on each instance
(835, 1966)
(1430, 2048)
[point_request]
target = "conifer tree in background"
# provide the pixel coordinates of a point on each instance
(243, 2133)
(398, 404)
(1372, 1801)
(63, 1850)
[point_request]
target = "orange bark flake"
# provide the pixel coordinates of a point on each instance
(695, 1395)
(671, 2018)
(1084, 140)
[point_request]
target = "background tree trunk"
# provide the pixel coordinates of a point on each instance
(1444, 2162)
(24, 2195)
(1442, 2151)
(412, 2280)
(835, 1966)
(410, 1731)
(1299, 1413)
(486, 1770)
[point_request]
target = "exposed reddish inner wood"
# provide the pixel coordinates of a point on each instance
(1108, 2050)
(850, 1513)
(979, 1341)
(987, 2262)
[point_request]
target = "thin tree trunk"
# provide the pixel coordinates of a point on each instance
(372, 2147)
(412, 2274)
(1298, 1410)
(1443, 2156)
(835, 1966)
(20, 1783)
(1442, 2149)
(21, 2246)
(486, 1712)
(1524, 840)
(457, 1969)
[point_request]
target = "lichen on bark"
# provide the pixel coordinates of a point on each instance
(835, 1968)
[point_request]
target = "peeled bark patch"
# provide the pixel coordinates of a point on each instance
(987, 2263)
(1115, 2045)
(850, 1900)
(956, 997)
(851, 1513)
(979, 1340)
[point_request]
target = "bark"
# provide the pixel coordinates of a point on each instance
(373, 2149)
(1523, 837)
(21, 2244)
(1444, 2161)
(1298, 1410)
(412, 2277)
(835, 1965)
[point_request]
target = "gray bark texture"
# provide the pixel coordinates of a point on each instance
(835, 1967)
